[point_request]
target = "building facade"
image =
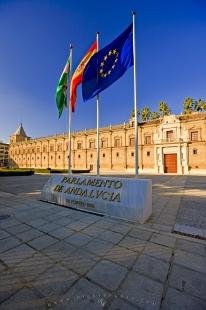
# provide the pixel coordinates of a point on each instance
(172, 144)
(4, 154)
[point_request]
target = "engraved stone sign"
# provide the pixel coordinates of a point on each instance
(126, 198)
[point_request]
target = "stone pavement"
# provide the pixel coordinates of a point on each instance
(57, 258)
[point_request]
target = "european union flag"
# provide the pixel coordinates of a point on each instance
(108, 65)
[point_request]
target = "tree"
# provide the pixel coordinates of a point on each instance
(133, 114)
(155, 115)
(188, 105)
(200, 105)
(145, 114)
(164, 108)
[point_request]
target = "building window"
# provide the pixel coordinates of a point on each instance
(59, 147)
(52, 148)
(91, 145)
(169, 135)
(103, 155)
(194, 135)
(148, 139)
(132, 154)
(117, 142)
(59, 157)
(38, 149)
(79, 146)
(51, 157)
(104, 143)
(148, 153)
(37, 157)
(91, 155)
(195, 151)
(79, 156)
(131, 141)
(117, 154)
(44, 157)
(44, 148)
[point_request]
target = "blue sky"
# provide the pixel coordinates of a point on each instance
(34, 45)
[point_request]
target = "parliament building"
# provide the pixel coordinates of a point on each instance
(171, 144)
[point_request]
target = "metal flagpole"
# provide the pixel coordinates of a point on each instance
(97, 38)
(135, 97)
(70, 111)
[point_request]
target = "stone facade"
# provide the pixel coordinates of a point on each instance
(172, 144)
(4, 154)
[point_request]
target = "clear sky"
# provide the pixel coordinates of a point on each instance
(34, 46)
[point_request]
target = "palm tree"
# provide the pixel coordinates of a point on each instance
(164, 108)
(133, 114)
(145, 114)
(155, 115)
(188, 105)
(200, 105)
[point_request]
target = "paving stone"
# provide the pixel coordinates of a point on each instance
(93, 231)
(121, 228)
(29, 235)
(133, 244)
(3, 234)
(78, 239)
(188, 281)
(83, 295)
(90, 219)
(140, 234)
(120, 304)
(111, 236)
(48, 227)
(152, 267)
(80, 261)
(8, 243)
(179, 301)
(65, 220)
(191, 247)
(24, 299)
(16, 255)
(122, 256)
(37, 223)
(8, 223)
(141, 291)
(99, 247)
(2, 267)
(158, 251)
(191, 261)
(9, 284)
(32, 267)
(107, 274)
(77, 225)
(55, 281)
(42, 242)
(61, 233)
(163, 240)
(17, 229)
(59, 251)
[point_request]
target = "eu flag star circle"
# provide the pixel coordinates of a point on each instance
(108, 63)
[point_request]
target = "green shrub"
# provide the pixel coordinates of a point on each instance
(17, 172)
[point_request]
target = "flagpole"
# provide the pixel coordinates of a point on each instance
(69, 110)
(97, 101)
(135, 97)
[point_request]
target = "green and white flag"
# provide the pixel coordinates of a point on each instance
(61, 91)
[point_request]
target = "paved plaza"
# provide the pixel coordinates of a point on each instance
(53, 257)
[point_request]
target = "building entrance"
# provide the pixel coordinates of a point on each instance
(170, 163)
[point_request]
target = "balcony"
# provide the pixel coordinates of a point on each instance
(172, 140)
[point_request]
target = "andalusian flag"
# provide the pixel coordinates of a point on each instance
(78, 74)
(61, 91)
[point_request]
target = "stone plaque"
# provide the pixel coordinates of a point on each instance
(126, 198)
